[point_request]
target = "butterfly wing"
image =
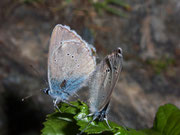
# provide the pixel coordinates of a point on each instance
(104, 80)
(70, 61)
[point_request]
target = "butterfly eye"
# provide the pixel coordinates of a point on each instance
(119, 50)
(46, 90)
(108, 70)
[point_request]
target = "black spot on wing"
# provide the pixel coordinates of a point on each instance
(63, 84)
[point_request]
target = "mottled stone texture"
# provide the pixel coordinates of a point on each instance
(149, 37)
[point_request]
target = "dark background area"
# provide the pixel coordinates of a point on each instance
(147, 31)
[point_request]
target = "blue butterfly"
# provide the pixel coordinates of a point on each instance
(70, 62)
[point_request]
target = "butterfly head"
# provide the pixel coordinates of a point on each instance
(119, 51)
(46, 91)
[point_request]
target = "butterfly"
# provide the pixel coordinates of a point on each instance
(70, 62)
(102, 84)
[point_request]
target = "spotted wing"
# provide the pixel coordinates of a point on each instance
(104, 80)
(70, 61)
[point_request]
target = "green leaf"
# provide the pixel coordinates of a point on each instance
(167, 120)
(95, 127)
(73, 119)
(135, 132)
(59, 123)
(162, 117)
(151, 132)
(100, 127)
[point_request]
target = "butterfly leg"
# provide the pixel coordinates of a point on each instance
(123, 125)
(55, 104)
(107, 121)
(89, 115)
(68, 103)
(82, 131)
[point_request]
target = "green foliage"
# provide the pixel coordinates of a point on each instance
(160, 65)
(95, 126)
(73, 119)
(111, 6)
(31, 1)
(106, 5)
(61, 123)
(167, 120)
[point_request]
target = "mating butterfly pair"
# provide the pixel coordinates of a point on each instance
(72, 64)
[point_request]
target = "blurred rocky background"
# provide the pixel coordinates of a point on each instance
(148, 31)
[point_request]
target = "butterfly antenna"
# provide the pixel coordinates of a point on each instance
(37, 72)
(27, 97)
(68, 103)
(76, 95)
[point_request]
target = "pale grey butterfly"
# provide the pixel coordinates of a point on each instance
(102, 84)
(71, 61)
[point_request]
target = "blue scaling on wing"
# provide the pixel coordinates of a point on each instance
(74, 84)
(71, 86)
